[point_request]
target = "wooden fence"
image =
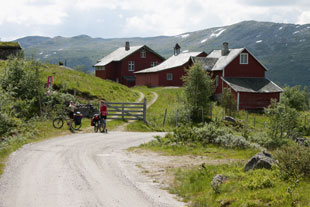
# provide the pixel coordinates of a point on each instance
(127, 111)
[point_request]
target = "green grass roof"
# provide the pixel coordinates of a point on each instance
(9, 44)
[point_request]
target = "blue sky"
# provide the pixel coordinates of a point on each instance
(138, 18)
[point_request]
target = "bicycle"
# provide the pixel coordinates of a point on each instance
(98, 124)
(58, 122)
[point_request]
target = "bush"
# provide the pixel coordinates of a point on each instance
(210, 134)
(264, 140)
(294, 161)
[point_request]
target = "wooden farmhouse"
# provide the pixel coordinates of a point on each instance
(9, 48)
(241, 71)
(120, 65)
(169, 72)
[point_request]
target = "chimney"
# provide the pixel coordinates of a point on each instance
(127, 46)
(177, 49)
(225, 50)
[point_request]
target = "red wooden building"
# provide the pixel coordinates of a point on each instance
(120, 65)
(169, 72)
(242, 72)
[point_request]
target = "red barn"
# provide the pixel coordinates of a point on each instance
(168, 73)
(241, 71)
(120, 65)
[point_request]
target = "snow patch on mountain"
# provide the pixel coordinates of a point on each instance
(259, 41)
(217, 32)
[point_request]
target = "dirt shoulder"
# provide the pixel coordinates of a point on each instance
(160, 168)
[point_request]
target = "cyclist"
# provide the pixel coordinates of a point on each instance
(103, 114)
(71, 109)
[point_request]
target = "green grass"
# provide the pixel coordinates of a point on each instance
(210, 150)
(168, 98)
(88, 85)
(243, 189)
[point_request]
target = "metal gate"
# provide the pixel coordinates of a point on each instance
(126, 111)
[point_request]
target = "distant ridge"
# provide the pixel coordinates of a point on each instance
(283, 48)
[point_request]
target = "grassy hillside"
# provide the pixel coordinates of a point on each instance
(86, 85)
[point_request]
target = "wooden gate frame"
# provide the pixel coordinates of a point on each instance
(126, 111)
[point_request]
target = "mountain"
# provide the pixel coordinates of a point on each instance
(283, 48)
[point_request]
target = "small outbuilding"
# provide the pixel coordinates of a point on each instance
(9, 48)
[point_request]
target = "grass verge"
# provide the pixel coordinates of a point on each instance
(243, 189)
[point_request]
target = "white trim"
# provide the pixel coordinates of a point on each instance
(244, 58)
(238, 97)
(169, 76)
(131, 65)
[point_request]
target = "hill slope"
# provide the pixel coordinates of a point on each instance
(283, 48)
(87, 86)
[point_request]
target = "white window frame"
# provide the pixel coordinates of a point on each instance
(100, 68)
(244, 58)
(169, 76)
(131, 65)
(154, 63)
(143, 53)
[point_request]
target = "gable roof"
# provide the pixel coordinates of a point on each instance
(224, 60)
(252, 85)
(120, 53)
(172, 62)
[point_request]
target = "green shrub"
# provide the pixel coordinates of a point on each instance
(233, 141)
(294, 161)
(265, 140)
(295, 98)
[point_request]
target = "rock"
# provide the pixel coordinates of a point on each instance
(225, 203)
(230, 119)
(260, 160)
(303, 141)
(217, 181)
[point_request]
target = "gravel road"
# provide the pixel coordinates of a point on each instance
(80, 170)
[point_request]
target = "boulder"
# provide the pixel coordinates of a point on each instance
(230, 119)
(303, 141)
(260, 160)
(217, 181)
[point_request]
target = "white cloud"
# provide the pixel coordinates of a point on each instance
(304, 18)
(146, 18)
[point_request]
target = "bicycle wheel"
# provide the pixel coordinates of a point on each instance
(96, 127)
(58, 122)
(76, 126)
(101, 129)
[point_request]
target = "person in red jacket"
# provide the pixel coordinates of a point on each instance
(103, 114)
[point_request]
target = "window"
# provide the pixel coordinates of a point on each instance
(169, 76)
(154, 63)
(131, 65)
(244, 58)
(100, 68)
(143, 53)
(217, 81)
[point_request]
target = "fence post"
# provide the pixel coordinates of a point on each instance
(165, 117)
(305, 120)
(247, 116)
(144, 110)
(254, 120)
(176, 119)
(123, 112)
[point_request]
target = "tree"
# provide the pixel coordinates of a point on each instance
(295, 98)
(228, 102)
(283, 120)
(198, 89)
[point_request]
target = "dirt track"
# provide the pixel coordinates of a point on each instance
(84, 170)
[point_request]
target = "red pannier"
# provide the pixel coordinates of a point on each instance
(94, 119)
